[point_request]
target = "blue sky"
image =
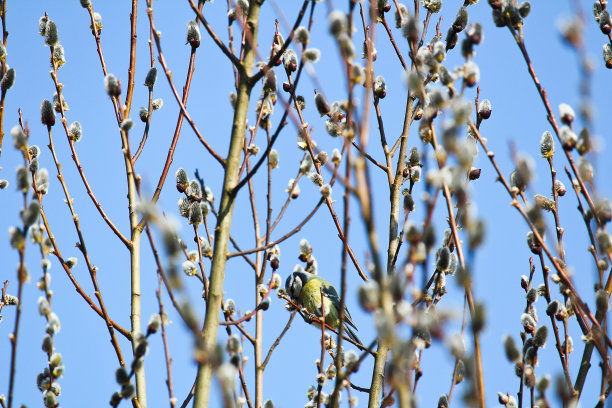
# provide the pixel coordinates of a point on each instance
(518, 117)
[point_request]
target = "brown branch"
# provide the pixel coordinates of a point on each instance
(277, 341)
(168, 73)
(132, 67)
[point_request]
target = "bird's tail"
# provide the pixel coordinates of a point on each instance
(351, 334)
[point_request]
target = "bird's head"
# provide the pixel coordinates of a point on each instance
(294, 284)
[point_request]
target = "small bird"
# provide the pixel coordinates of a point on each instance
(305, 289)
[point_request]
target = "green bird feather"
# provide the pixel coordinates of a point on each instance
(305, 289)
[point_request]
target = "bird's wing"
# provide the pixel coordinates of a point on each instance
(331, 293)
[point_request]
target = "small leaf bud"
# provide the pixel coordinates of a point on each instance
(3, 184)
(85, 3)
(47, 116)
(151, 78)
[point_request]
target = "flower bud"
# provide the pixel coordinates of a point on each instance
(8, 79)
(75, 131)
(51, 36)
(602, 300)
(121, 376)
(484, 109)
(302, 35)
(461, 20)
(338, 23)
(566, 113)
(195, 214)
(112, 86)
(151, 78)
(604, 241)
(607, 55)
(583, 144)
(433, 5)
(512, 353)
(399, 15)
(47, 116)
(312, 55)
(539, 339)
(567, 137)
(524, 9)
(321, 104)
(547, 145)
